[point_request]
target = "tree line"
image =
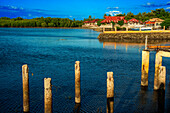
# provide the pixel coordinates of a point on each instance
(39, 22)
(158, 13)
(65, 22)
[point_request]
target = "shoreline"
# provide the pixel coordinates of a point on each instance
(51, 27)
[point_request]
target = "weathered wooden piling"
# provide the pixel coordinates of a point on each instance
(158, 63)
(77, 82)
(25, 81)
(110, 92)
(103, 29)
(145, 68)
(47, 95)
(146, 42)
(115, 28)
(126, 28)
(162, 77)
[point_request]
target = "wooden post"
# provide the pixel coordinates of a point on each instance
(146, 41)
(115, 28)
(77, 82)
(145, 68)
(103, 29)
(25, 81)
(110, 92)
(158, 63)
(47, 96)
(162, 77)
(126, 28)
(164, 27)
(140, 29)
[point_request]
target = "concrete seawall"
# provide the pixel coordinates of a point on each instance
(153, 37)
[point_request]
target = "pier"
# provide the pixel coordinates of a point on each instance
(155, 36)
(160, 71)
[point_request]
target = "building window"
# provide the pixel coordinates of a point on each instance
(157, 24)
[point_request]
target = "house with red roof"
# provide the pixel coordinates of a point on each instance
(109, 19)
(133, 22)
(91, 23)
(154, 22)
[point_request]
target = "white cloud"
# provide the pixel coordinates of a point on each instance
(71, 16)
(168, 8)
(12, 7)
(29, 14)
(112, 7)
(148, 3)
(113, 13)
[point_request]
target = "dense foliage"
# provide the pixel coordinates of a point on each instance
(158, 13)
(113, 24)
(39, 22)
(65, 22)
(120, 22)
(98, 22)
(166, 23)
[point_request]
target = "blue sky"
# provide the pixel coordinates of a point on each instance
(78, 9)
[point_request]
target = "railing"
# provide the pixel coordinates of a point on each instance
(152, 31)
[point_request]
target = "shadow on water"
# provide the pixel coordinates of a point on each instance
(77, 108)
(151, 101)
(161, 99)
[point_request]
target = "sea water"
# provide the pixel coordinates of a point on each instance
(53, 52)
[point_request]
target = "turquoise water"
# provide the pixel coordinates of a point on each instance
(53, 52)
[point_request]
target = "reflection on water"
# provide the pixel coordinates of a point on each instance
(134, 41)
(110, 105)
(77, 108)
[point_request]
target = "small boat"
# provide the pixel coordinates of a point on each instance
(142, 28)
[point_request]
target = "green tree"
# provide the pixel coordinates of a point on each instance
(18, 18)
(104, 16)
(90, 17)
(50, 24)
(120, 22)
(98, 22)
(43, 24)
(166, 23)
(120, 14)
(113, 24)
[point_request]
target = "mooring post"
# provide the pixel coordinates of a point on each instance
(25, 81)
(145, 68)
(146, 42)
(103, 29)
(162, 77)
(126, 28)
(47, 95)
(158, 63)
(77, 82)
(110, 92)
(115, 28)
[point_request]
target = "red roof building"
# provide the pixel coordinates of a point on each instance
(93, 21)
(115, 19)
(149, 22)
(133, 20)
